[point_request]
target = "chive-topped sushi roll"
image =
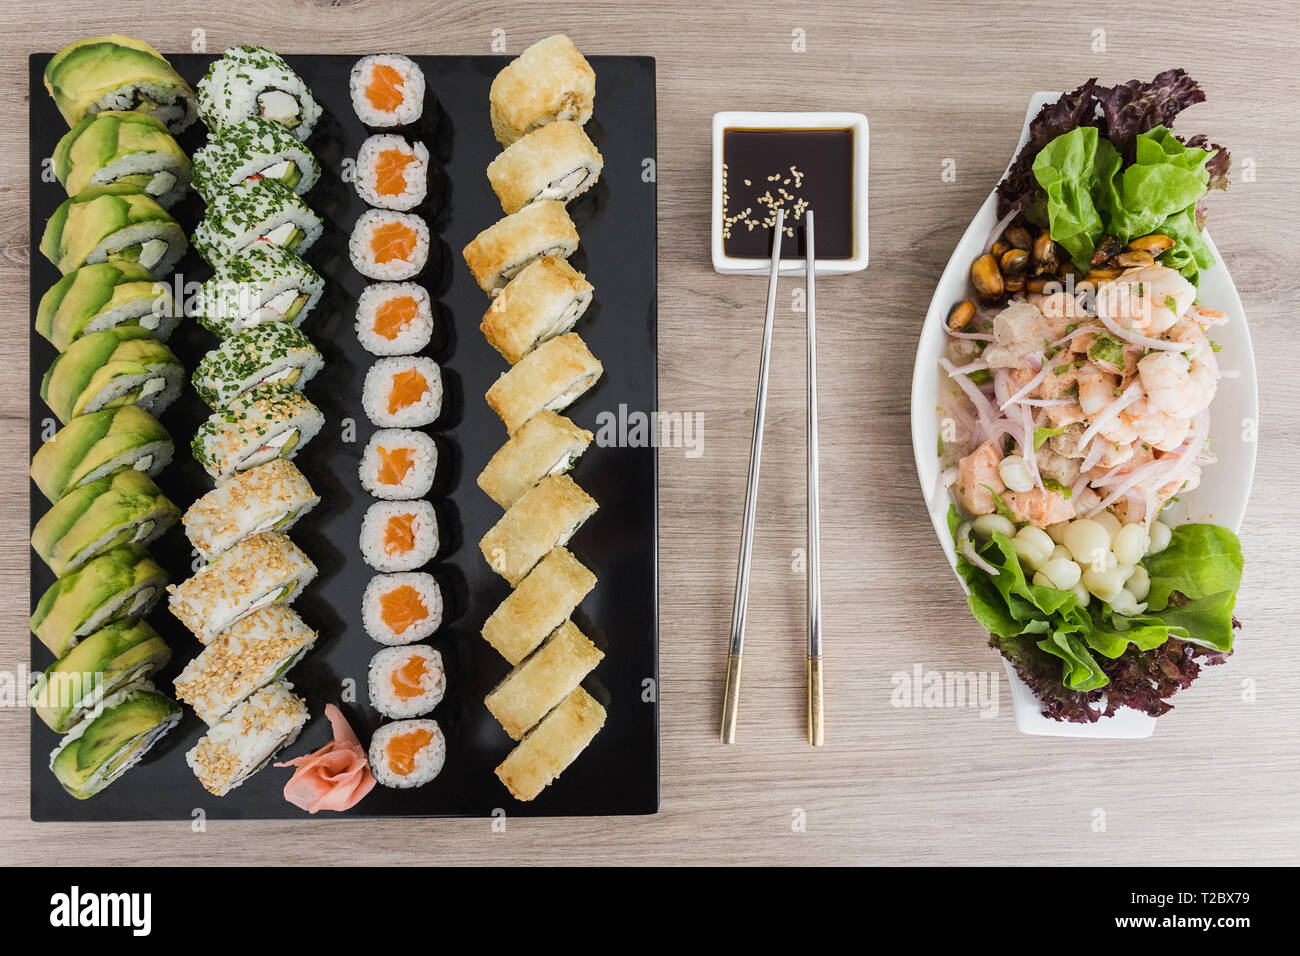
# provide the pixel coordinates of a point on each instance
(254, 210)
(270, 497)
(253, 149)
(120, 585)
(120, 366)
(254, 81)
(387, 90)
(116, 72)
(392, 173)
(104, 296)
(108, 744)
(247, 738)
(265, 423)
(117, 221)
(121, 147)
(272, 353)
(92, 446)
(263, 283)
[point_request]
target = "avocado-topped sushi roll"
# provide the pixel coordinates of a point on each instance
(265, 354)
(261, 570)
(550, 378)
(392, 173)
(121, 585)
(116, 72)
(398, 464)
(549, 81)
(390, 246)
(387, 90)
(120, 366)
(407, 753)
(270, 497)
(254, 81)
(248, 655)
(543, 519)
(543, 301)
(121, 147)
(247, 738)
(253, 149)
(104, 296)
(406, 681)
(403, 392)
(263, 283)
(550, 747)
(557, 161)
(106, 745)
(251, 211)
(265, 423)
(116, 221)
(122, 508)
(92, 446)
(394, 318)
(399, 535)
(500, 252)
(547, 444)
(102, 664)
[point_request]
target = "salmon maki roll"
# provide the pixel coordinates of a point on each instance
(406, 681)
(394, 318)
(392, 173)
(407, 753)
(401, 608)
(404, 392)
(390, 246)
(387, 90)
(398, 464)
(399, 535)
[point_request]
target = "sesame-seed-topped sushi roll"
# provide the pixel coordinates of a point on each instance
(116, 221)
(399, 535)
(113, 739)
(557, 161)
(254, 211)
(543, 519)
(124, 365)
(500, 252)
(389, 245)
(403, 392)
(248, 737)
(267, 422)
(401, 608)
(551, 377)
(270, 497)
(544, 300)
(123, 147)
(253, 149)
(392, 173)
(394, 318)
(119, 585)
(271, 353)
(406, 681)
(398, 464)
(263, 283)
(407, 753)
(92, 446)
(104, 296)
(549, 81)
(116, 72)
(254, 81)
(387, 90)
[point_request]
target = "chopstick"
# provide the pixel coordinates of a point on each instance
(815, 730)
(731, 695)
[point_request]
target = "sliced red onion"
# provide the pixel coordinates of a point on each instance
(1070, 336)
(1033, 384)
(985, 411)
(1125, 399)
(1128, 335)
(968, 549)
(976, 336)
(998, 229)
(976, 366)
(1094, 455)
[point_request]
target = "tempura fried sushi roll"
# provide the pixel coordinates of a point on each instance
(247, 738)
(389, 246)
(271, 353)
(113, 740)
(254, 81)
(539, 605)
(407, 753)
(264, 283)
(92, 446)
(253, 149)
(259, 571)
(500, 252)
(398, 464)
(403, 392)
(117, 221)
(120, 366)
(394, 318)
(123, 147)
(547, 444)
(392, 173)
(116, 72)
(545, 517)
(250, 212)
(267, 422)
(387, 90)
(549, 81)
(406, 682)
(550, 378)
(544, 300)
(401, 608)
(104, 296)
(557, 161)
(399, 535)
(120, 585)
(246, 656)
(552, 745)
(270, 497)
(528, 692)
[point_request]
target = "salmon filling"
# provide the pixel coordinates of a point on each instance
(408, 388)
(399, 535)
(395, 315)
(392, 241)
(385, 90)
(403, 748)
(401, 608)
(408, 679)
(394, 465)
(390, 172)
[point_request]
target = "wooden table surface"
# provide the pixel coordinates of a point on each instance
(941, 84)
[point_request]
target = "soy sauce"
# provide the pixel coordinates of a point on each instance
(797, 169)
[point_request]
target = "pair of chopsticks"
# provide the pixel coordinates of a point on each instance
(731, 697)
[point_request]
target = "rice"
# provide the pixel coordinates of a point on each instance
(396, 770)
(388, 393)
(398, 464)
(383, 324)
(399, 535)
(406, 681)
(401, 608)
(389, 245)
(380, 154)
(411, 80)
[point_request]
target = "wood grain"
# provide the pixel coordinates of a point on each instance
(1216, 784)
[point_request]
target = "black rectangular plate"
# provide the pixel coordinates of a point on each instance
(619, 772)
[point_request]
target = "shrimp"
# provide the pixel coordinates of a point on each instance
(1146, 299)
(1040, 507)
(1181, 384)
(1060, 310)
(978, 479)
(1096, 388)
(1161, 431)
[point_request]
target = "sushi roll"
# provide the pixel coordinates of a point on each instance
(121, 147)
(547, 444)
(116, 72)
(401, 608)
(387, 90)
(254, 210)
(406, 681)
(272, 353)
(389, 246)
(253, 149)
(254, 81)
(247, 738)
(109, 743)
(263, 424)
(545, 517)
(394, 318)
(261, 570)
(265, 282)
(104, 296)
(398, 464)
(124, 365)
(550, 747)
(407, 753)
(550, 378)
(500, 252)
(557, 161)
(538, 605)
(403, 392)
(245, 657)
(544, 300)
(121, 585)
(270, 497)
(125, 507)
(116, 221)
(105, 662)
(549, 81)
(92, 446)
(392, 173)
(399, 535)
(528, 692)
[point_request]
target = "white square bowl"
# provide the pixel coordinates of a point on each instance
(735, 119)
